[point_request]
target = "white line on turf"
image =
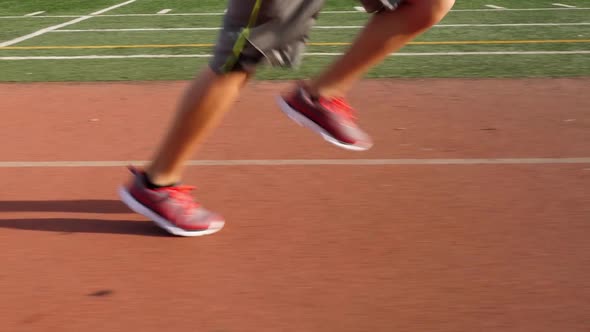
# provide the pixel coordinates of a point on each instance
(164, 11)
(308, 162)
(495, 7)
(35, 13)
(468, 53)
(39, 16)
(327, 27)
(324, 12)
(59, 26)
(563, 5)
(172, 56)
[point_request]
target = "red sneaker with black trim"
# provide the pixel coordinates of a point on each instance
(171, 208)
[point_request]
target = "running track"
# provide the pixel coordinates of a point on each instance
(419, 247)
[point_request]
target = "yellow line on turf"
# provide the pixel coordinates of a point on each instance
(84, 47)
(458, 42)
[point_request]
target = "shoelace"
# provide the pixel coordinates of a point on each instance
(182, 195)
(339, 105)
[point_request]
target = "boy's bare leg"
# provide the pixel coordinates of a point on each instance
(204, 104)
(319, 104)
(251, 30)
(154, 192)
(385, 33)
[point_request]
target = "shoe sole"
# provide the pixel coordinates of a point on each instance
(136, 206)
(304, 121)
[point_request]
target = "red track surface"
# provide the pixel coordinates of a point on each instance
(306, 248)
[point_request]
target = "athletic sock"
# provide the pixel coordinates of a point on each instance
(148, 183)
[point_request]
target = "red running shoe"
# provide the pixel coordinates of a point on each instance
(332, 118)
(171, 208)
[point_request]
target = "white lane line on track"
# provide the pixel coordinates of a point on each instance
(307, 162)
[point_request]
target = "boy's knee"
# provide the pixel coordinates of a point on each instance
(439, 9)
(430, 12)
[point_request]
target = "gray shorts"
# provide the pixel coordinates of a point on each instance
(270, 31)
